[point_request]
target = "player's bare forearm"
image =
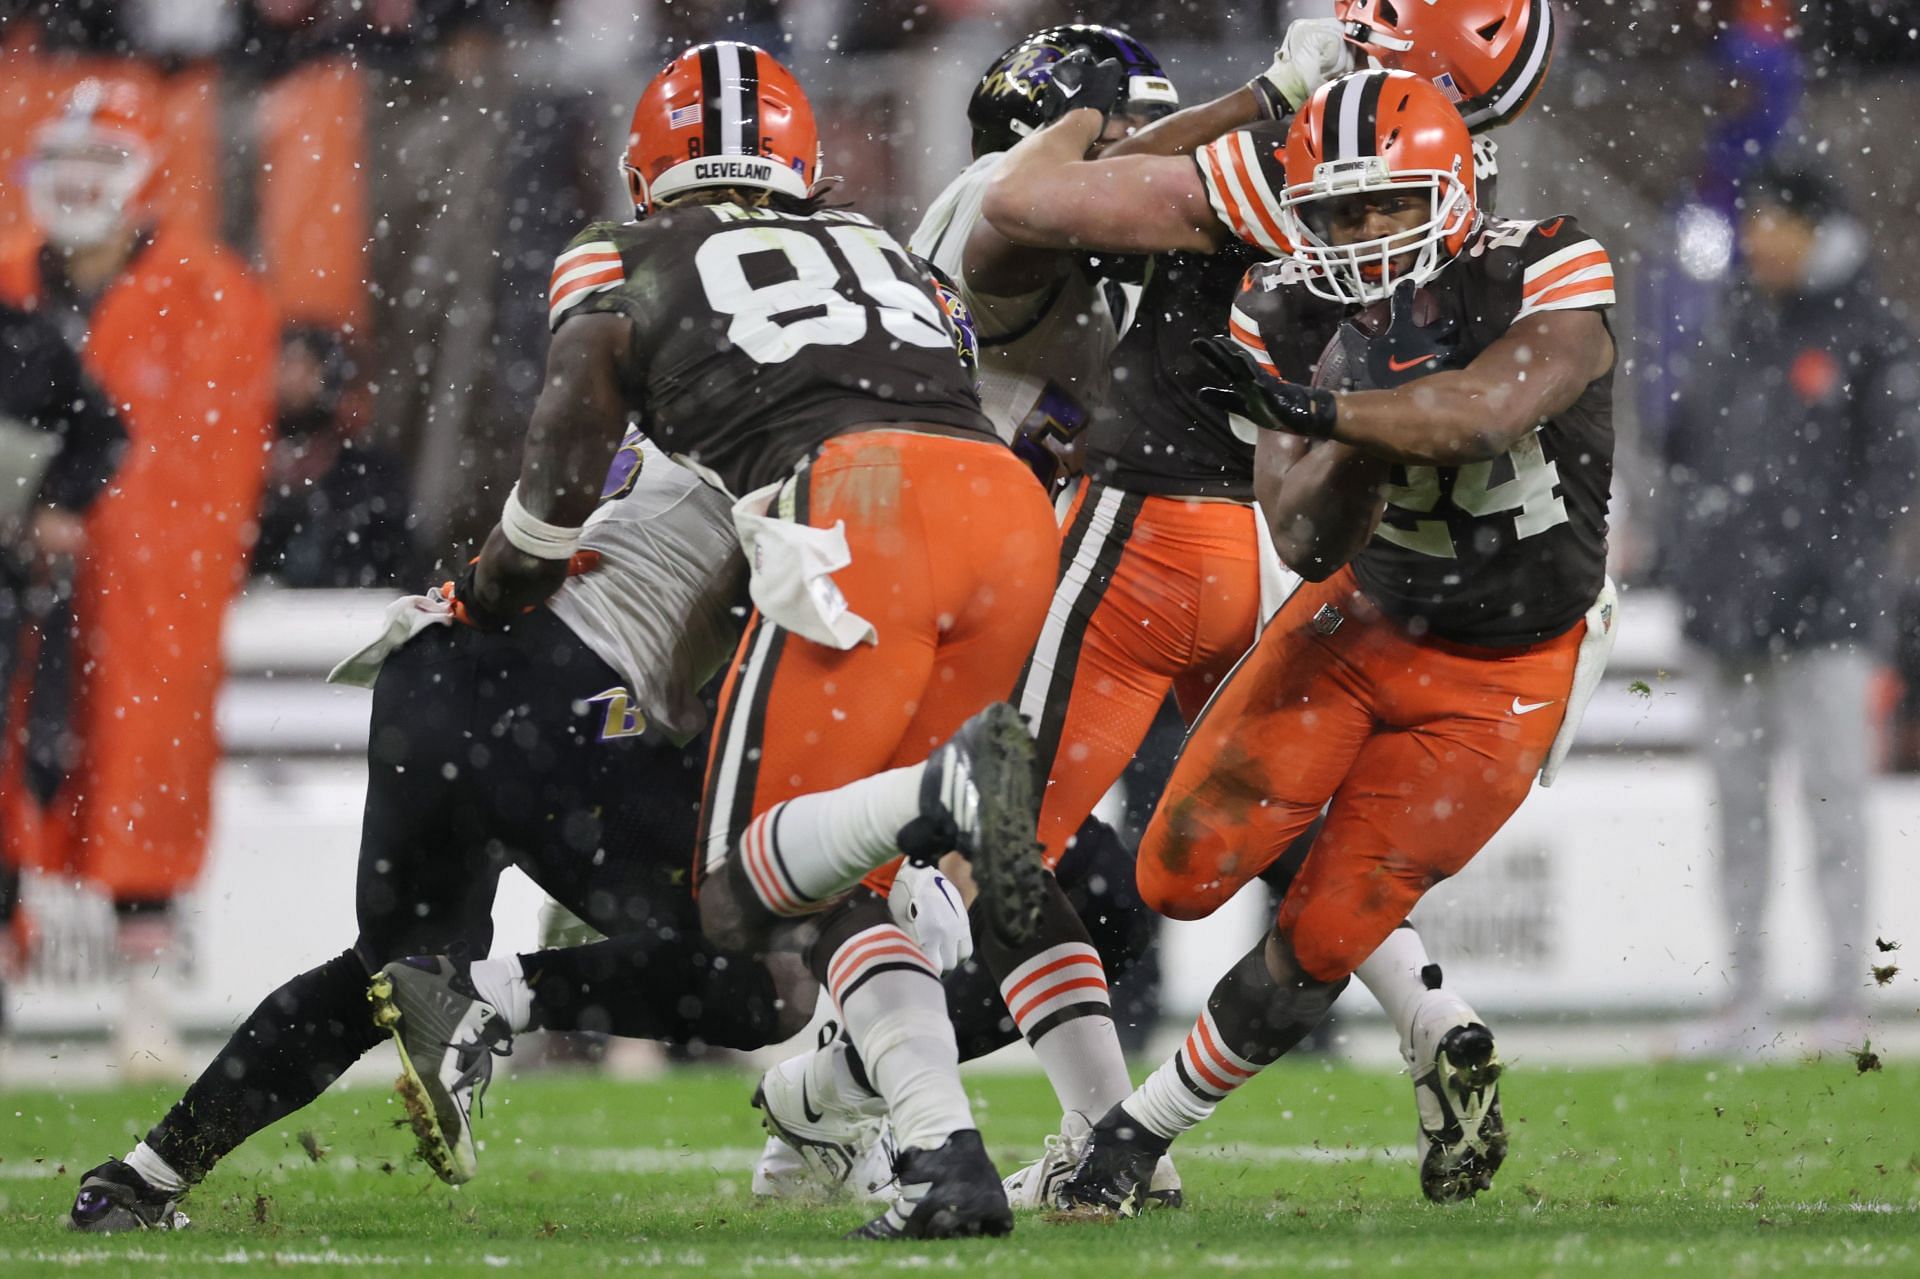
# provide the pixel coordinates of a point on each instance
(577, 424)
(1321, 504)
(508, 581)
(1047, 195)
(1537, 369)
(578, 421)
(1190, 128)
(997, 267)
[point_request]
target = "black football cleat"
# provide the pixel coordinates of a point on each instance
(952, 1192)
(978, 797)
(1463, 1138)
(114, 1198)
(448, 1037)
(1116, 1172)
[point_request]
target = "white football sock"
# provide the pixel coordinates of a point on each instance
(503, 983)
(1189, 1084)
(1392, 973)
(1058, 999)
(895, 1011)
(1085, 1065)
(154, 1170)
(807, 851)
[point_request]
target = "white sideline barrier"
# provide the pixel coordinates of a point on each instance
(1597, 898)
(1600, 896)
(276, 899)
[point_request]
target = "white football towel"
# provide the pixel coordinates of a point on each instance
(1603, 626)
(406, 617)
(791, 569)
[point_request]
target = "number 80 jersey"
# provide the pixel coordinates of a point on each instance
(1507, 551)
(759, 335)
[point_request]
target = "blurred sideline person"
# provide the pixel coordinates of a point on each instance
(900, 559)
(1789, 464)
(60, 443)
(182, 339)
(1449, 517)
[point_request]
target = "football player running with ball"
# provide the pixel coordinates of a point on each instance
(1442, 485)
(1164, 580)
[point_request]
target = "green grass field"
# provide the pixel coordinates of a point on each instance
(1791, 1170)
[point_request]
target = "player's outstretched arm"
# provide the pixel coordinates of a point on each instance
(1048, 195)
(1321, 502)
(577, 424)
(1537, 369)
(1190, 128)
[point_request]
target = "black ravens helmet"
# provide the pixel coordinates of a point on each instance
(1006, 104)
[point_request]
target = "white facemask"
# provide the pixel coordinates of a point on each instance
(1367, 270)
(81, 192)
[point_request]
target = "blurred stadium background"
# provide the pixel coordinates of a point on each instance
(400, 172)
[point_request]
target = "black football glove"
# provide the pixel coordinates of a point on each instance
(1267, 401)
(1407, 350)
(1078, 81)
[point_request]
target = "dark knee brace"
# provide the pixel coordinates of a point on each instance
(1262, 1016)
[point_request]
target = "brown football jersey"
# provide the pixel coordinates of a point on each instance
(759, 335)
(1507, 551)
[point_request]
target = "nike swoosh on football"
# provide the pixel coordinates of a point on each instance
(1400, 366)
(1527, 708)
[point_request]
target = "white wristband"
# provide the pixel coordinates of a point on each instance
(533, 535)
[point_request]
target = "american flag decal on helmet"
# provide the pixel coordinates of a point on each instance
(684, 117)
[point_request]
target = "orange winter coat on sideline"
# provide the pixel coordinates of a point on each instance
(186, 343)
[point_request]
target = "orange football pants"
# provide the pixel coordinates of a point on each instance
(953, 556)
(1419, 750)
(1154, 594)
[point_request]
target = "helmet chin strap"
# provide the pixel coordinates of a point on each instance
(1361, 33)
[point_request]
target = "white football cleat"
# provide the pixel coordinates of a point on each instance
(783, 1174)
(841, 1150)
(1036, 1184)
(1456, 1074)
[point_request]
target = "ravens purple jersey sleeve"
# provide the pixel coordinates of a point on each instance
(1502, 552)
(759, 334)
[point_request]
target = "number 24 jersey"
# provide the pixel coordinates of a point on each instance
(759, 335)
(1502, 552)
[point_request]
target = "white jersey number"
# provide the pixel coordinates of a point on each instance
(1530, 494)
(828, 303)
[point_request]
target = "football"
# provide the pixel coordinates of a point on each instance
(1373, 320)
(1332, 371)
